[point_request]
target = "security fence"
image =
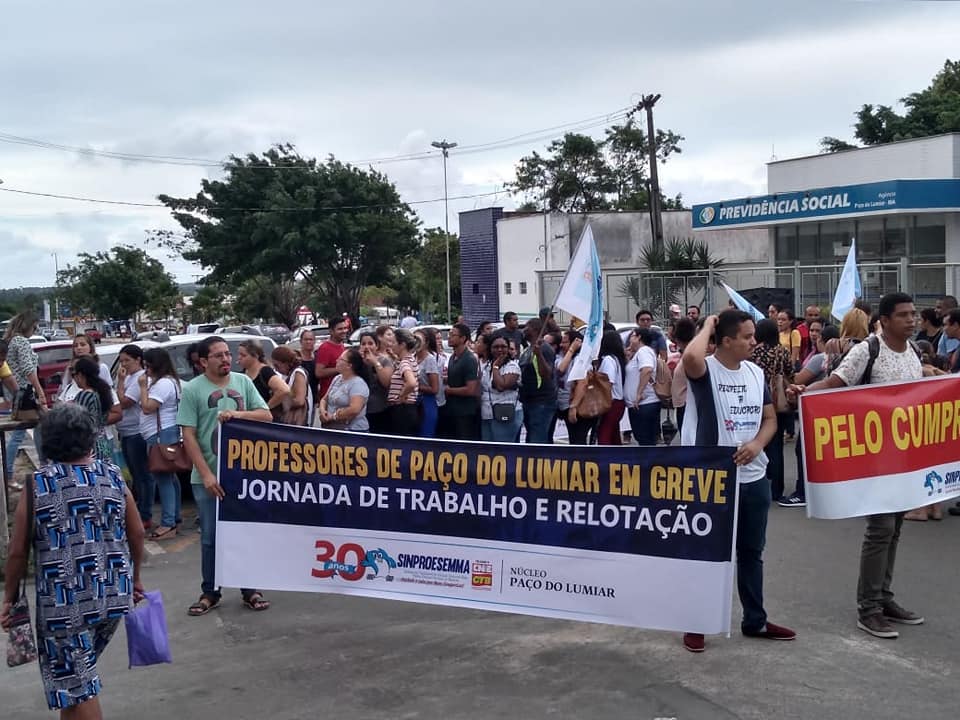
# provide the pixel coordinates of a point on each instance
(629, 290)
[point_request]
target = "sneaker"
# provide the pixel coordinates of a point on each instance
(894, 613)
(772, 632)
(792, 501)
(878, 626)
(693, 642)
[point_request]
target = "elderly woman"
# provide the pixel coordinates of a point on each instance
(87, 541)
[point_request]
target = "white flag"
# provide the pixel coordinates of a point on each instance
(581, 295)
(742, 303)
(848, 289)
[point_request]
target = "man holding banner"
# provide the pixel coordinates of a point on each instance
(728, 403)
(884, 359)
(215, 397)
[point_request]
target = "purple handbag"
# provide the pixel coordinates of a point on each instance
(147, 640)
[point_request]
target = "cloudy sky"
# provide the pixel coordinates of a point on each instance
(741, 80)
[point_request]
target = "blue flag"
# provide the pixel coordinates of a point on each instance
(741, 302)
(848, 288)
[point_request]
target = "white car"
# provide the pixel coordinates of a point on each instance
(177, 346)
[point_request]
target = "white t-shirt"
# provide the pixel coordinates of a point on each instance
(130, 422)
(489, 395)
(69, 391)
(725, 408)
(165, 392)
(645, 358)
(890, 366)
(610, 367)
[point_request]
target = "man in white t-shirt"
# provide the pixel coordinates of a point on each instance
(728, 403)
(895, 361)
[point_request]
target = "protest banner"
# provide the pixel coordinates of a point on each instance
(622, 535)
(881, 448)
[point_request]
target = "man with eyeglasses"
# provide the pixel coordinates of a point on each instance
(215, 397)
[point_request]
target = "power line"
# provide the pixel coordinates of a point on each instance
(186, 161)
(79, 198)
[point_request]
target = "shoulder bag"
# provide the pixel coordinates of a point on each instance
(166, 458)
(502, 412)
(21, 647)
(25, 408)
(291, 415)
(598, 397)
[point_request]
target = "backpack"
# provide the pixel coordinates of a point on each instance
(663, 381)
(873, 346)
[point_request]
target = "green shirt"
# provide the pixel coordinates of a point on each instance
(202, 401)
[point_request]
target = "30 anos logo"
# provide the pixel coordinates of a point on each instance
(351, 562)
(707, 215)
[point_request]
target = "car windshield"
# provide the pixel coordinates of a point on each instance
(50, 356)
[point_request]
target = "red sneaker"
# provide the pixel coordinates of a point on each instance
(773, 632)
(693, 642)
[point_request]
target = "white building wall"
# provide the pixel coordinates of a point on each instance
(929, 158)
(521, 251)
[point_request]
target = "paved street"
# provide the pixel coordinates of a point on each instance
(340, 657)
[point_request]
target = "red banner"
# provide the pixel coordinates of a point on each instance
(881, 448)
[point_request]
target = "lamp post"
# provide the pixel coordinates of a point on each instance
(445, 147)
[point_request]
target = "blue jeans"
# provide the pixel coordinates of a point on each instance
(428, 415)
(645, 423)
(167, 483)
(536, 419)
(207, 510)
(503, 432)
(13, 447)
(751, 538)
(134, 450)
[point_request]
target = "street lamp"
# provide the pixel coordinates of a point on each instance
(445, 147)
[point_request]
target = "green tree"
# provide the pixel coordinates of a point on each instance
(422, 279)
(120, 284)
(580, 174)
(275, 300)
(656, 292)
(208, 305)
(277, 214)
(931, 111)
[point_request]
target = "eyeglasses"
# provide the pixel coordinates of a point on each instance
(221, 355)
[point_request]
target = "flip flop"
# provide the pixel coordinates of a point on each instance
(205, 604)
(254, 601)
(162, 533)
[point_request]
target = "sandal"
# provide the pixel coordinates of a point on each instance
(163, 533)
(254, 601)
(205, 604)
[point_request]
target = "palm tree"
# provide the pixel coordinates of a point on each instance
(657, 292)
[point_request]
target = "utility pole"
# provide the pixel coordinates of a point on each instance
(56, 293)
(656, 220)
(445, 147)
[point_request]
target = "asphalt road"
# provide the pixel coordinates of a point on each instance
(335, 656)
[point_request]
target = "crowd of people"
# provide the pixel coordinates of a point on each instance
(494, 385)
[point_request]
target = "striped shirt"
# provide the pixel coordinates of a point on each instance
(408, 362)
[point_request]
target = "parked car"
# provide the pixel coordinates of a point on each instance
(202, 328)
(94, 334)
(280, 334)
(53, 357)
(34, 339)
(177, 347)
(60, 334)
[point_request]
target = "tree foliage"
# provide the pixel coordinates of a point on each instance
(207, 305)
(657, 292)
(931, 111)
(422, 284)
(280, 215)
(580, 174)
(118, 284)
(274, 300)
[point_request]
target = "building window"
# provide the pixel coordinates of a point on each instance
(523, 288)
(785, 250)
(476, 288)
(507, 289)
(928, 243)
